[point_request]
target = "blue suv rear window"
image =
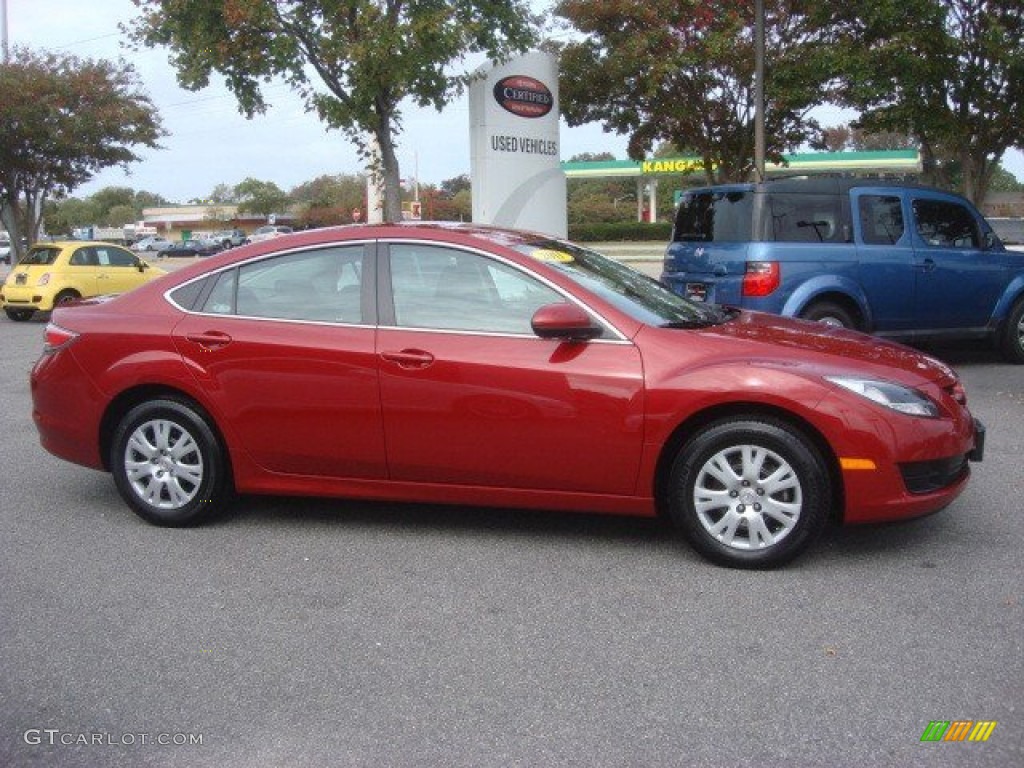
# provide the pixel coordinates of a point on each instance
(714, 217)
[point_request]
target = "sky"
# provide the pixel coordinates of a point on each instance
(210, 143)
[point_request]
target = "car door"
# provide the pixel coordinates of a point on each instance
(284, 348)
(885, 255)
(118, 270)
(958, 280)
(82, 271)
(471, 396)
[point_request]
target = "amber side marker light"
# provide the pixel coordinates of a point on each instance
(857, 464)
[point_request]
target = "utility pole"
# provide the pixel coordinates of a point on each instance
(759, 149)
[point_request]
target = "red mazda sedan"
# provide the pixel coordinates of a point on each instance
(465, 365)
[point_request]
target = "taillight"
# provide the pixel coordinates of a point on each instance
(761, 278)
(56, 338)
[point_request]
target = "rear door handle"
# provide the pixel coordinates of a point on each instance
(409, 358)
(210, 340)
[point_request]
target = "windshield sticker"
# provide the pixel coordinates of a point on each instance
(546, 254)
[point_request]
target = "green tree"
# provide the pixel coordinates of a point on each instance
(682, 71)
(261, 197)
(950, 73)
(64, 119)
(120, 215)
(63, 216)
(354, 62)
(329, 200)
(223, 194)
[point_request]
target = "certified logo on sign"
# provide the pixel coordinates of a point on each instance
(523, 96)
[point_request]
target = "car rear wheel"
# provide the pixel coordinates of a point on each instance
(829, 313)
(168, 464)
(749, 493)
(19, 315)
(1013, 334)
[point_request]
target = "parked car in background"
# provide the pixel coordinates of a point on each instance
(51, 274)
(896, 260)
(5, 249)
(269, 232)
(152, 243)
(454, 364)
(230, 238)
(192, 248)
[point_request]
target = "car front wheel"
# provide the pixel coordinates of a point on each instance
(168, 464)
(749, 493)
(1013, 334)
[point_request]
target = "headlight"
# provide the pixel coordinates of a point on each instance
(895, 396)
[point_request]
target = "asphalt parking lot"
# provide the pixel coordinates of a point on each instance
(300, 632)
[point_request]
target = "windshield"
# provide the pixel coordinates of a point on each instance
(634, 293)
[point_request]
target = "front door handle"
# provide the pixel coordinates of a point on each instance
(409, 358)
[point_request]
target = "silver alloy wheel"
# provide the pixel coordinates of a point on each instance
(1020, 332)
(747, 497)
(832, 322)
(163, 464)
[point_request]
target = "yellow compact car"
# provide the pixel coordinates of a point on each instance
(53, 273)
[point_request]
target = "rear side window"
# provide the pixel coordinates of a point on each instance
(804, 219)
(881, 219)
(946, 224)
(714, 217)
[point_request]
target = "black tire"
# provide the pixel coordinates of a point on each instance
(65, 296)
(829, 313)
(720, 497)
(1012, 342)
(19, 315)
(168, 464)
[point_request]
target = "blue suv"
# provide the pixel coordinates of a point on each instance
(885, 257)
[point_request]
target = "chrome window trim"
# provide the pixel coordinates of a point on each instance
(619, 336)
(263, 257)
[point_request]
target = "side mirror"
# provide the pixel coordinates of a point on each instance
(990, 240)
(564, 321)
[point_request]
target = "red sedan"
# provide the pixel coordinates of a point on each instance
(468, 365)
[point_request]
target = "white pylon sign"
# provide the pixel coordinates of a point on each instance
(516, 171)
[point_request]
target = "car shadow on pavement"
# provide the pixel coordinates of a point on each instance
(265, 510)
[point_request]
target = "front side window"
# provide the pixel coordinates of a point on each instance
(881, 219)
(108, 256)
(946, 224)
(447, 289)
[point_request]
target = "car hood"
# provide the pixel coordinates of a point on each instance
(765, 337)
